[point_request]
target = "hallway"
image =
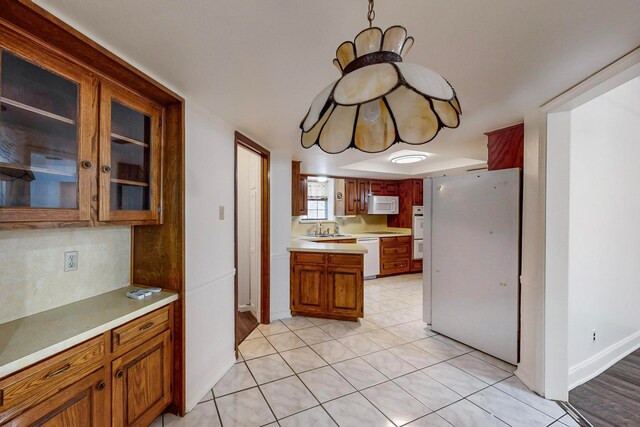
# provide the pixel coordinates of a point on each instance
(388, 369)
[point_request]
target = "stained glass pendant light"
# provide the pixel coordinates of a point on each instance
(379, 100)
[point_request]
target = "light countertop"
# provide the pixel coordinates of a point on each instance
(298, 245)
(30, 339)
(398, 232)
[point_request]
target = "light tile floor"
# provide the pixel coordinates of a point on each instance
(388, 369)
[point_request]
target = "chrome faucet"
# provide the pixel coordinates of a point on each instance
(318, 228)
(337, 230)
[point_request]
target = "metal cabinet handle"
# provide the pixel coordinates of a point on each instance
(106, 168)
(101, 385)
(59, 371)
(86, 164)
(145, 326)
(120, 373)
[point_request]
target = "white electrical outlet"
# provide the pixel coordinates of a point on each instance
(71, 261)
(593, 335)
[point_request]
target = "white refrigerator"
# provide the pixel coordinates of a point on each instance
(472, 259)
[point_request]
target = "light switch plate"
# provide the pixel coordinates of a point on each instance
(220, 212)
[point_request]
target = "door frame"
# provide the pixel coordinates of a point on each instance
(265, 221)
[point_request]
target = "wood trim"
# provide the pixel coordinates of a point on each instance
(158, 251)
(265, 230)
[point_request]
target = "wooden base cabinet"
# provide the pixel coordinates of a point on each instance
(92, 384)
(327, 285)
(308, 284)
(142, 383)
(395, 255)
(345, 291)
(81, 404)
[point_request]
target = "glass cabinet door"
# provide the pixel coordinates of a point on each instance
(45, 131)
(129, 157)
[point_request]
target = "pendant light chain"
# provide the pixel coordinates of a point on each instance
(371, 14)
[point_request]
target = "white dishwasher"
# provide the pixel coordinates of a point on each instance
(372, 257)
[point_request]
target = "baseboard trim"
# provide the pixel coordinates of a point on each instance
(285, 314)
(600, 362)
(244, 307)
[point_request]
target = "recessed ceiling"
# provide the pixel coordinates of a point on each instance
(258, 63)
(432, 165)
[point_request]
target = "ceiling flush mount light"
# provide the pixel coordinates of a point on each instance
(409, 158)
(379, 100)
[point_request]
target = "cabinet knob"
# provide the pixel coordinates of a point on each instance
(86, 164)
(101, 385)
(106, 168)
(120, 373)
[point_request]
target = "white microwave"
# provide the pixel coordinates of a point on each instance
(383, 205)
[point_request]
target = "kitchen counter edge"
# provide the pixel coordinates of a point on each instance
(97, 323)
(298, 245)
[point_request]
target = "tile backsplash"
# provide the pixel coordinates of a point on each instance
(32, 276)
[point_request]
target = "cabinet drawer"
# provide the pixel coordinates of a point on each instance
(384, 241)
(309, 258)
(141, 328)
(33, 385)
(345, 259)
(395, 266)
(395, 240)
(395, 251)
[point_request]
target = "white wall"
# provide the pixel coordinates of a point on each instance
(209, 251)
(604, 236)
(280, 233)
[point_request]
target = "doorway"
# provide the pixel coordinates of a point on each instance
(252, 256)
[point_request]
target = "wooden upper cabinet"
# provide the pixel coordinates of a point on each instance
(298, 190)
(130, 150)
(391, 188)
(350, 196)
(506, 147)
(378, 187)
(46, 128)
(363, 191)
(74, 149)
(417, 192)
(410, 194)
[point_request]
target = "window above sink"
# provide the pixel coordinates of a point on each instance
(320, 200)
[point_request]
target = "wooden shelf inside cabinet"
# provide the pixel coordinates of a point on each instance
(127, 182)
(15, 166)
(38, 111)
(123, 139)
